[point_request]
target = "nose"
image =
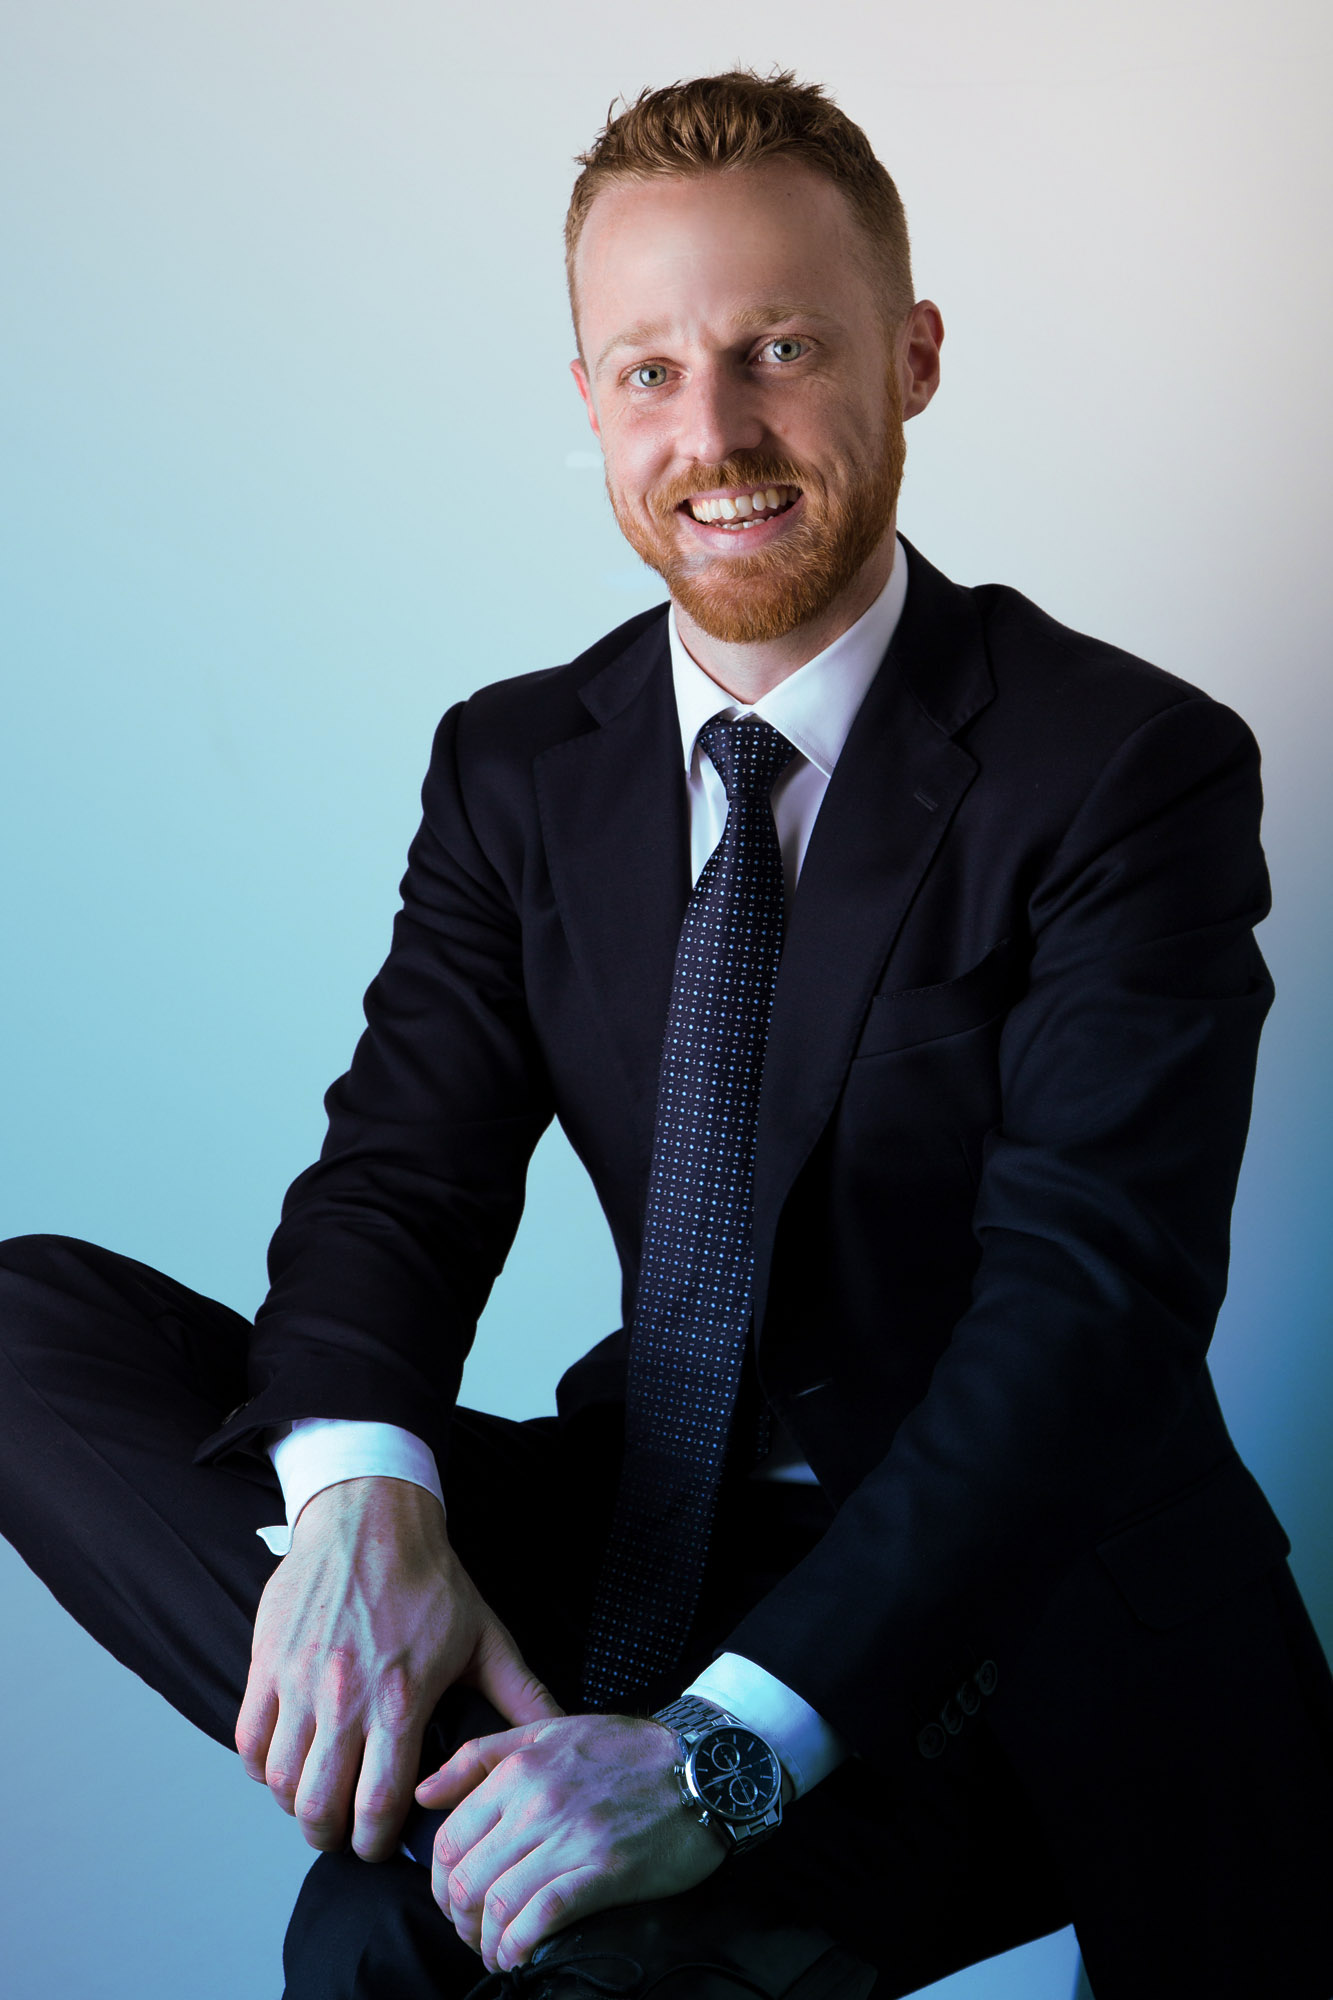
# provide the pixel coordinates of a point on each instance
(719, 416)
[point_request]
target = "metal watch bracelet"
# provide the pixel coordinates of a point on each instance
(691, 1719)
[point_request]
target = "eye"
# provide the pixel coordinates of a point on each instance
(785, 348)
(648, 375)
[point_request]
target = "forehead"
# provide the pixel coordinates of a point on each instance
(717, 250)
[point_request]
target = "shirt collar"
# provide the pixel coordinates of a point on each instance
(814, 708)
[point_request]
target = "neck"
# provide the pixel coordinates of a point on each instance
(748, 671)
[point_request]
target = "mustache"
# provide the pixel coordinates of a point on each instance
(743, 469)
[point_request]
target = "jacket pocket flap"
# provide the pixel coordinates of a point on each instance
(928, 1013)
(1189, 1555)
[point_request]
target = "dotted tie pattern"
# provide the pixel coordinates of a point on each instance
(692, 1312)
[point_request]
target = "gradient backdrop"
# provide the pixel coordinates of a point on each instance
(289, 460)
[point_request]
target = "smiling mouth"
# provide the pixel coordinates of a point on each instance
(744, 508)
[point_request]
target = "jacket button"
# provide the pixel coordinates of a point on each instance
(967, 1698)
(986, 1677)
(951, 1715)
(931, 1740)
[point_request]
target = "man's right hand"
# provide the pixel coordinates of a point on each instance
(360, 1630)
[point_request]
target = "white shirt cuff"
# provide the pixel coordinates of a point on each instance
(323, 1451)
(808, 1748)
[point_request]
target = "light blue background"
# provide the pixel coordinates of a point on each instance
(289, 460)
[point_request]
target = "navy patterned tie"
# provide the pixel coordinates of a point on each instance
(692, 1313)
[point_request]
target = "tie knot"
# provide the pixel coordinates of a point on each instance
(748, 754)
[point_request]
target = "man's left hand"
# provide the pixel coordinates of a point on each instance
(554, 1820)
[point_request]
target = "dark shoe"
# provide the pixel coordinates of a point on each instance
(676, 1952)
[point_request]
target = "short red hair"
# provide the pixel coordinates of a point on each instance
(740, 119)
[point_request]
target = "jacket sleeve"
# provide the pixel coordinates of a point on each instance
(388, 1246)
(1102, 1216)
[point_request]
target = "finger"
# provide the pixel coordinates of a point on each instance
(325, 1790)
(551, 1908)
(512, 1891)
(384, 1790)
(471, 1762)
(505, 1677)
(293, 1733)
(460, 1833)
(464, 1887)
(255, 1724)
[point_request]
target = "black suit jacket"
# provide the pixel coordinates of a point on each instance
(1003, 1111)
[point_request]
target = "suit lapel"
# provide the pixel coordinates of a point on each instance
(613, 812)
(889, 803)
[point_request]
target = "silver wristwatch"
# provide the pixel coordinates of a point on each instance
(728, 1776)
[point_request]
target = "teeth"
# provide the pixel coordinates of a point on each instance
(740, 510)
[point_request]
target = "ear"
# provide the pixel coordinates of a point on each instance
(580, 374)
(919, 356)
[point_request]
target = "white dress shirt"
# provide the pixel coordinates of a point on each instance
(814, 708)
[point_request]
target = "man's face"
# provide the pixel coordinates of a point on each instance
(736, 366)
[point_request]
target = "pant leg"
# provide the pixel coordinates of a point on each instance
(363, 1932)
(110, 1373)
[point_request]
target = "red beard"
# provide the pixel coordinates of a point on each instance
(746, 599)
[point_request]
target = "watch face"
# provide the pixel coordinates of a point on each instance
(735, 1773)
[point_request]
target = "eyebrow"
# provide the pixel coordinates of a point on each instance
(750, 319)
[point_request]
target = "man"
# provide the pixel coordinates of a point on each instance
(886, 952)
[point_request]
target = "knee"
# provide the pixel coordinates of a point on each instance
(362, 1928)
(41, 1256)
(48, 1283)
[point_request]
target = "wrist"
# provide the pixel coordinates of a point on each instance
(373, 1502)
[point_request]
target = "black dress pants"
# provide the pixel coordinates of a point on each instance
(1194, 1857)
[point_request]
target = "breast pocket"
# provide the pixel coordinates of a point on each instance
(918, 1014)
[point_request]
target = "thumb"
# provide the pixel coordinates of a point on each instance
(506, 1679)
